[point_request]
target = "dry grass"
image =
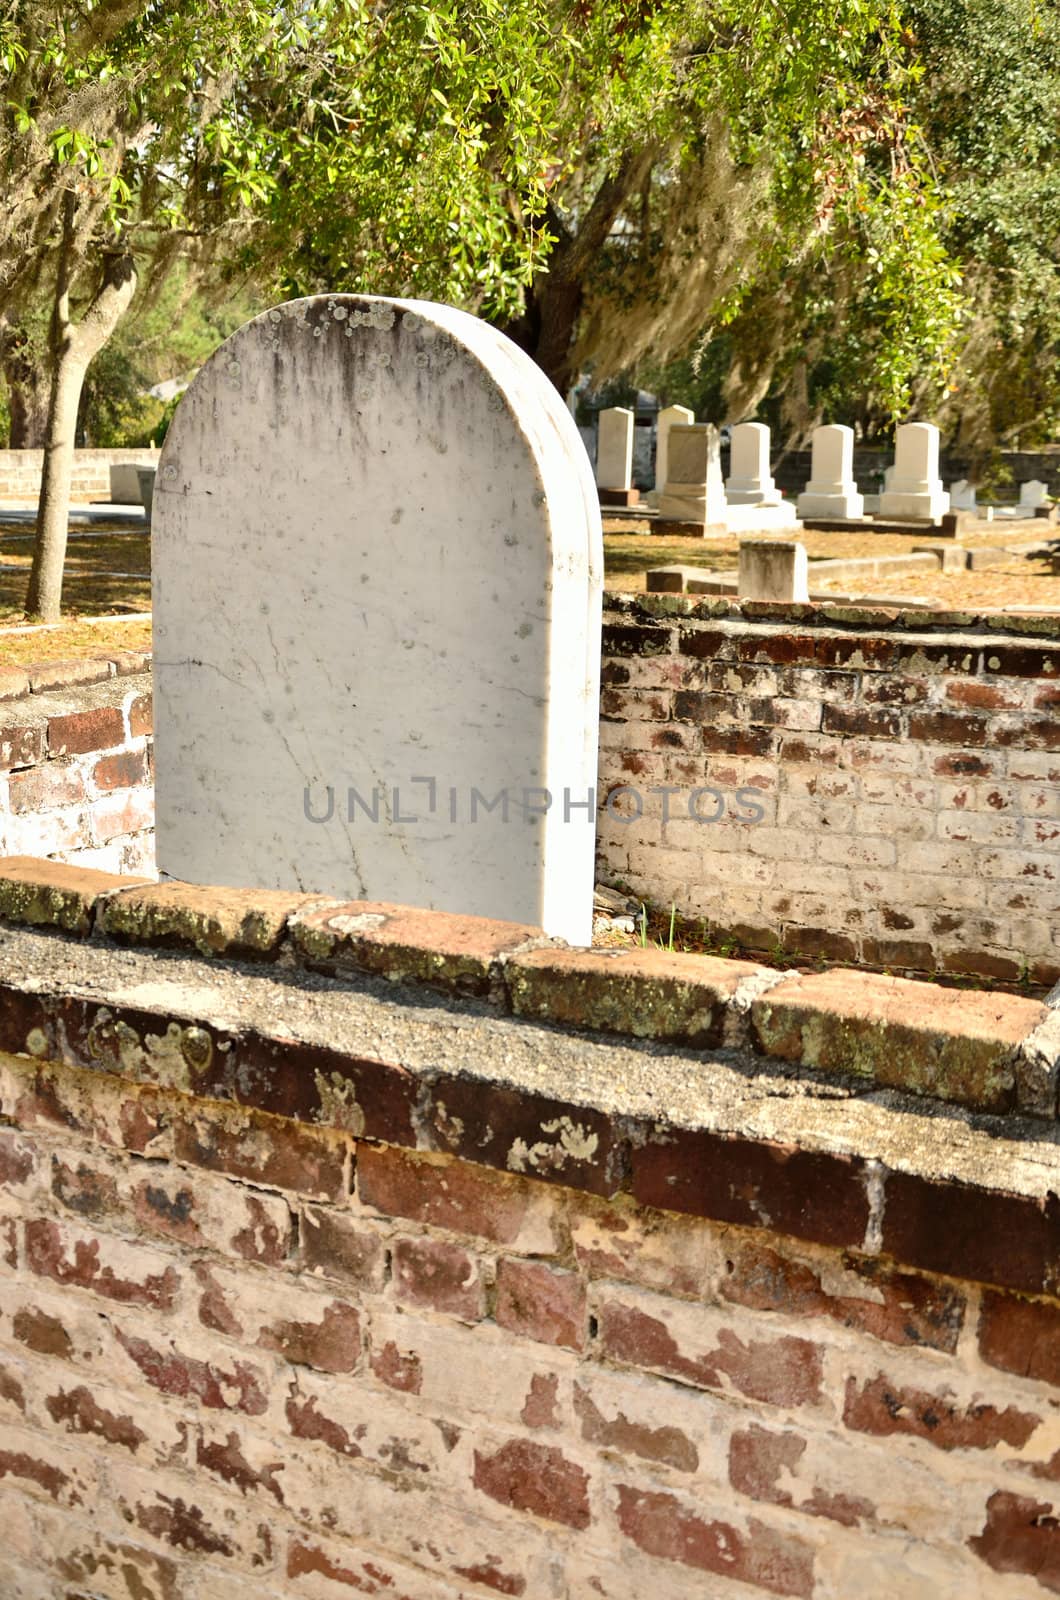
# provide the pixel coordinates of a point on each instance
(1023, 581)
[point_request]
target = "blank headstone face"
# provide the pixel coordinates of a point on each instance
(694, 491)
(614, 448)
(1034, 493)
(669, 417)
(831, 491)
(833, 455)
(749, 479)
(377, 577)
(916, 456)
(773, 569)
(915, 488)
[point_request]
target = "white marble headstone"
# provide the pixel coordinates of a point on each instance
(915, 490)
(773, 569)
(831, 491)
(669, 417)
(1034, 493)
(614, 448)
(377, 585)
(694, 491)
(750, 482)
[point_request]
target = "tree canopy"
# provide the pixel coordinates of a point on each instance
(848, 208)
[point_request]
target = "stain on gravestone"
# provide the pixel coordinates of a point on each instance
(377, 586)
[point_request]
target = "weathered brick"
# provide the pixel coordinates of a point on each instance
(1021, 1336)
(20, 746)
(461, 1197)
(517, 1131)
(84, 731)
(240, 1388)
(43, 788)
(1009, 1240)
(663, 1525)
(335, 1245)
(537, 1478)
(141, 719)
(900, 1032)
(331, 1345)
(50, 893)
(265, 1150)
(1021, 1535)
(537, 1302)
(18, 1162)
(185, 1518)
(813, 1196)
(647, 993)
(879, 1406)
(867, 1296)
(646, 1420)
(118, 1271)
(123, 770)
(42, 1467)
(405, 944)
(68, 674)
(762, 1462)
(371, 1426)
(655, 1249)
(707, 1351)
(431, 1272)
(233, 922)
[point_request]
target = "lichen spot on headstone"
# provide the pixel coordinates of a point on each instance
(377, 580)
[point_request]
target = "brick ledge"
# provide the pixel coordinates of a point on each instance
(990, 1052)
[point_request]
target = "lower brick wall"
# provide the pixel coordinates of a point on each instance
(76, 780)
(834, 782)
(241, 1357)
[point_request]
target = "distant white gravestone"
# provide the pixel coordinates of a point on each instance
(377, 587)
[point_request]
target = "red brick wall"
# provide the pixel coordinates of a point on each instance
(76, 782)
(241, 1357)
(906, 770)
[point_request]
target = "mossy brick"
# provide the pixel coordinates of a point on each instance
(901, 1033)
(41, 893)
(405, 944)
(213, 921)
(649, 994)
(632, 640)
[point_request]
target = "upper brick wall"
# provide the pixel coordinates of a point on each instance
(76, 780)
(20, 471)
(903, 772)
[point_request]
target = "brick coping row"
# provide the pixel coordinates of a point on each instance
(846, 616)
(992, 1053)
(47, 676)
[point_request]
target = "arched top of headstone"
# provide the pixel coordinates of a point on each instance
(377, 560)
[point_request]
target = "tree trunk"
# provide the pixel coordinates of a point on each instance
(73, 347)
(548, 327)
(27, 387)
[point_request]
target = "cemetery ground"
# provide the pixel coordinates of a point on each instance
(108, 577)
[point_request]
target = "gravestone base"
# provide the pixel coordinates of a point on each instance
(619, 497)
(760, 496)
(926, 505)
(830, 502)
(691, 503)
